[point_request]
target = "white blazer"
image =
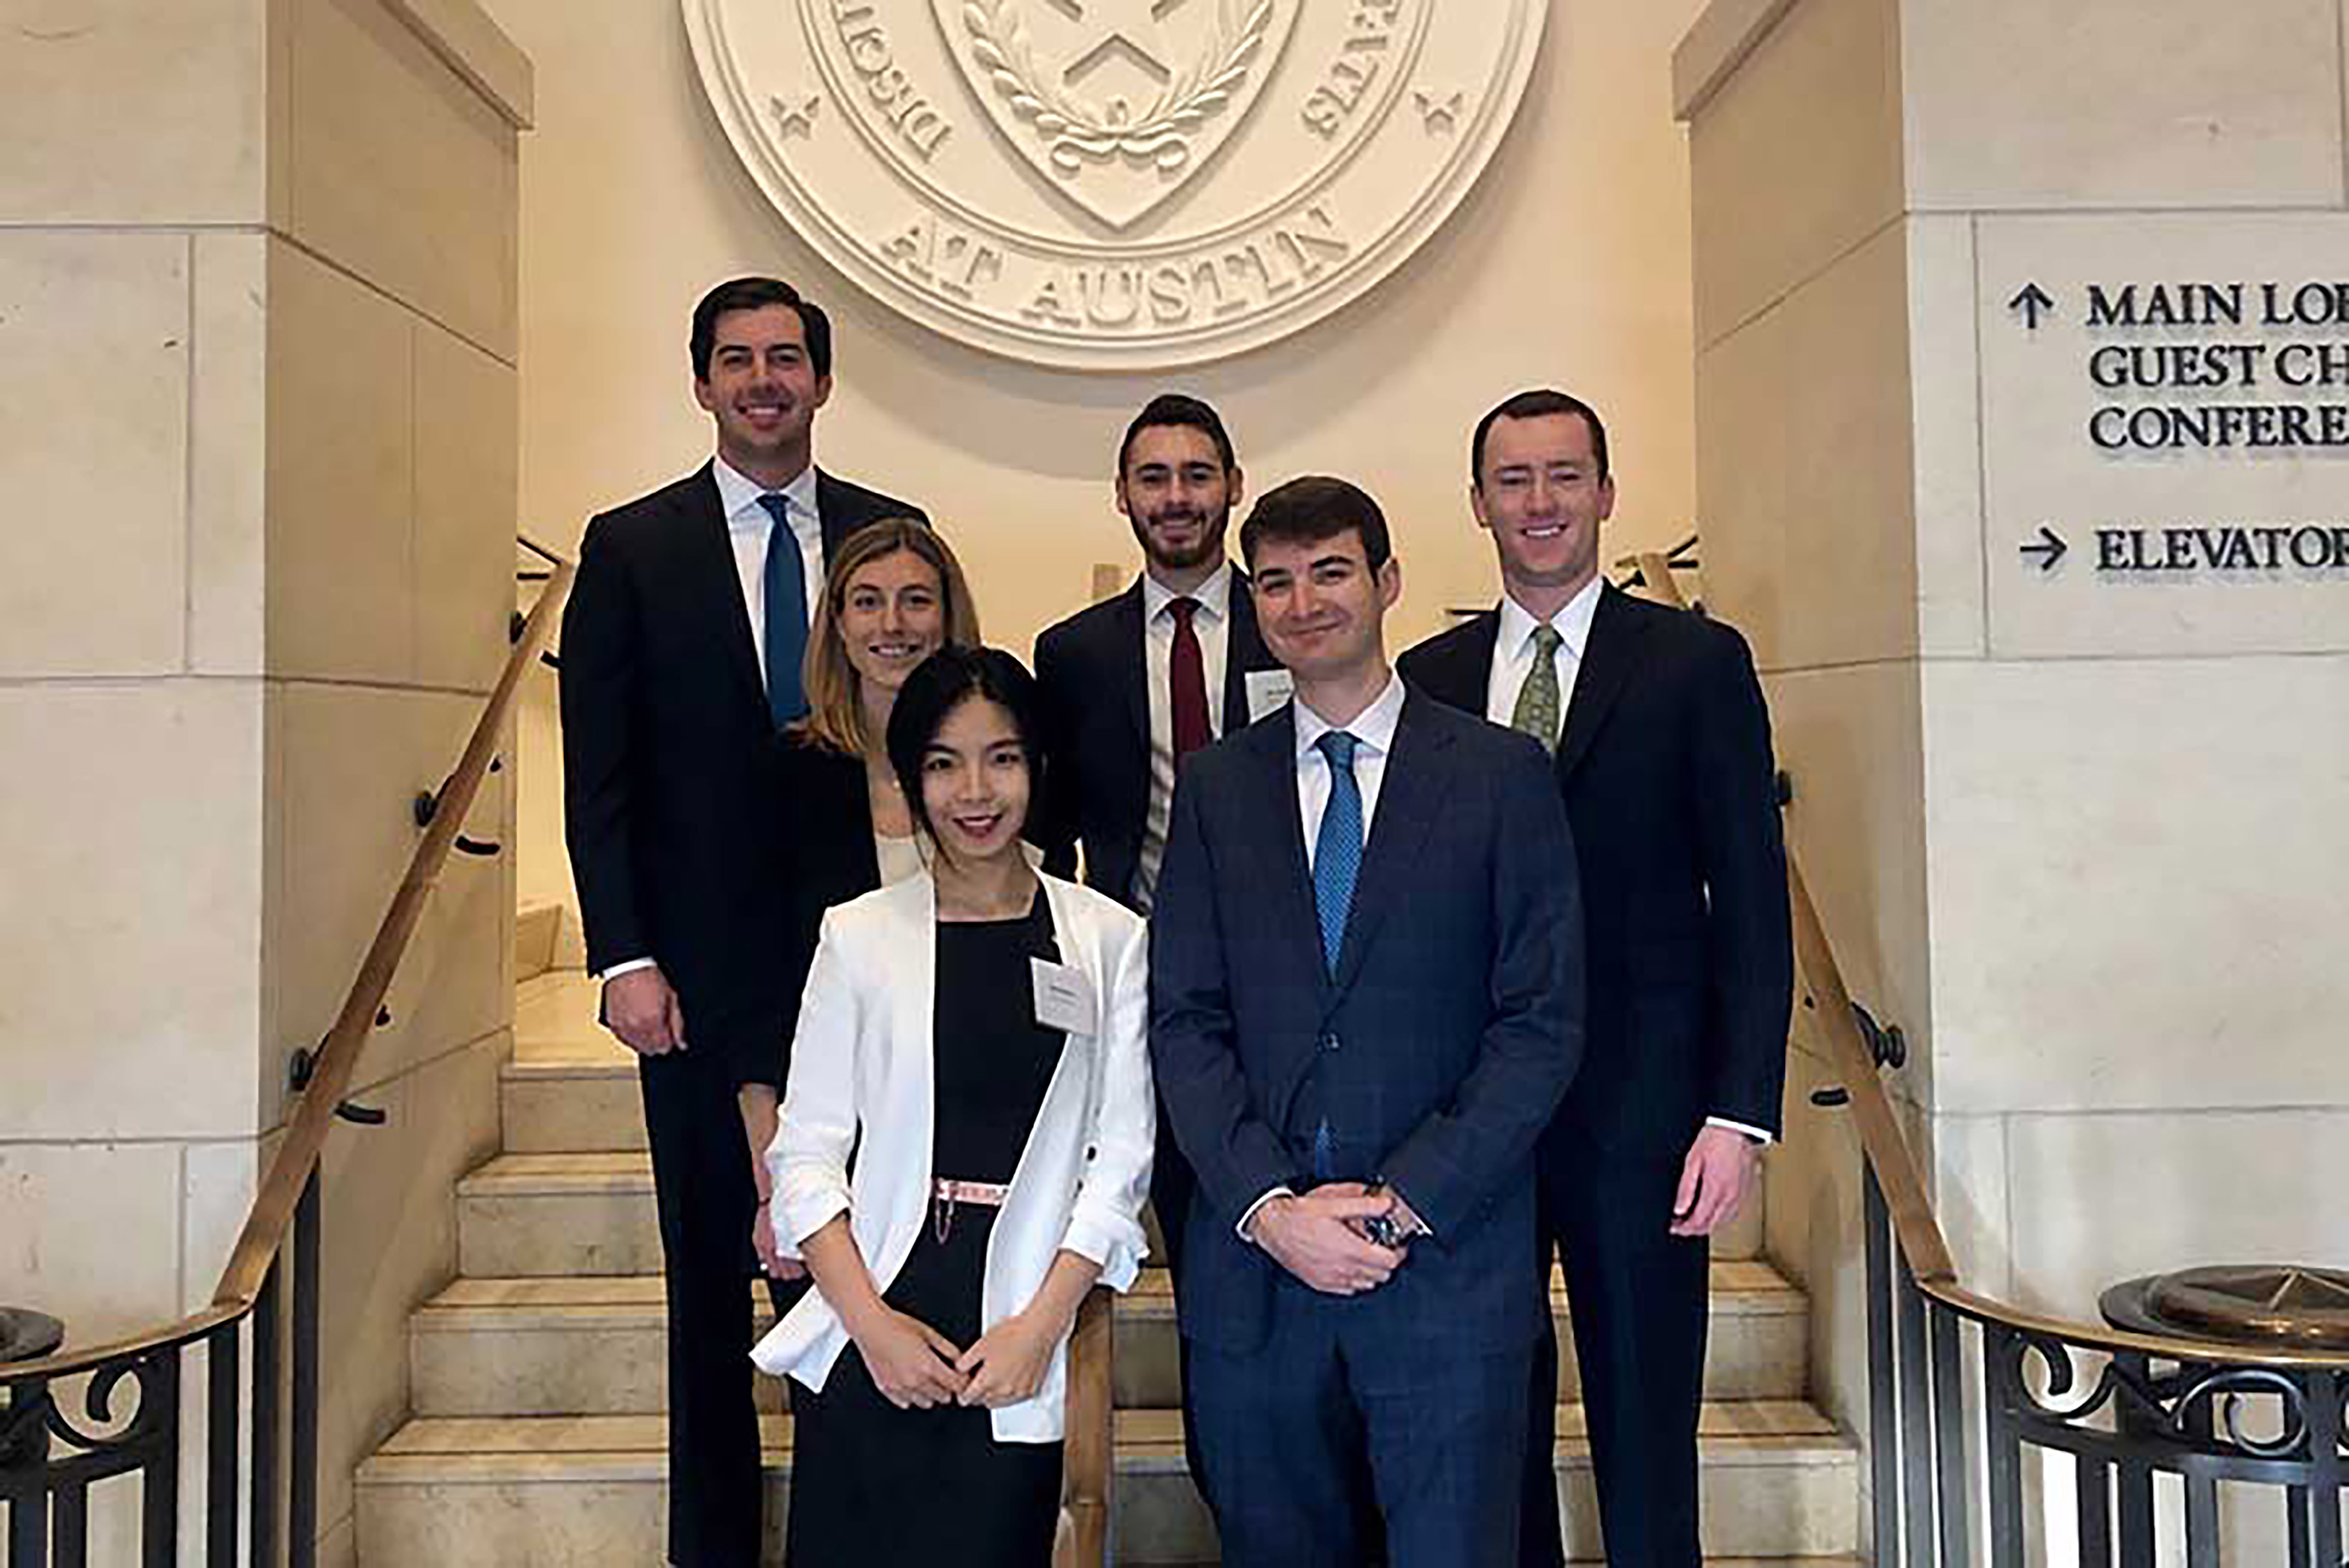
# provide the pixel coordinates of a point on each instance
(861, 1068)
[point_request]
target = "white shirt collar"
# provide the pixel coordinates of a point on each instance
(739, 494)
(1214, 595)
(1572, 622)
(1374, 726)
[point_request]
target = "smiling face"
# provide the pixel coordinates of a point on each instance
(763, 391)
(1541, 495)
(892, 615)
(1178, 495)
(975, 783)
(1321, 606)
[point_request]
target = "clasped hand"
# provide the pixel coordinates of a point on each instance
(1314, 1238)
(917, 1367)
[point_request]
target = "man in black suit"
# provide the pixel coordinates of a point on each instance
(681, 651)
(1133, 686)
(1662, 751)
(1365, 1003)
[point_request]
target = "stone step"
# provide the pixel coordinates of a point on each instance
(590, 1212)
(592, 1344)
(584, 1491)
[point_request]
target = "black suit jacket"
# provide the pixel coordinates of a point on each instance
(1437, 1051)
(1666, 771)
(1092, 675)
(828, 858)
(672, 805)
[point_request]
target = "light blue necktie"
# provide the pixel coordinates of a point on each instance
(787, 627)
(1338, 848)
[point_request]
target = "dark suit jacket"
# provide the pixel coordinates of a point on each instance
(1439, 1049)
(671, 804)
(1666, 771)
(828, 858)
(1092, 675)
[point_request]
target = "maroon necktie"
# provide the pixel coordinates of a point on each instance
(1186, 680)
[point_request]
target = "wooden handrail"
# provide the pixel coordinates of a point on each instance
(1916, 1229)
(1089, 1453)
(272, 1214)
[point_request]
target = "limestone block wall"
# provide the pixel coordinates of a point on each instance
(257, 450)
(2077, 831)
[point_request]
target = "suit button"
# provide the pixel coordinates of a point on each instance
(1328, 1042)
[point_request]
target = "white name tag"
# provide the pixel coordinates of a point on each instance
(1064, 997)
(1266, 690)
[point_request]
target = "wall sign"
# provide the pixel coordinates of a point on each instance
(2165, 407)
(1115, 184)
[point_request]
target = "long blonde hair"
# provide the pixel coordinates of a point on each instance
(835, 693)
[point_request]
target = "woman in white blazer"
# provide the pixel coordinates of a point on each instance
(975, 1038)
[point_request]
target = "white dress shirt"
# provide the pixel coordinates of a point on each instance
(1373, 730)
(749, 526)
(1213, 622)
(1513, 653)
(1513, 662)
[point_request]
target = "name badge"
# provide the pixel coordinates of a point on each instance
(1064, 997)
(1266, 690)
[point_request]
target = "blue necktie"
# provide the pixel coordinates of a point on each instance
(787, 626)
(1338, 848)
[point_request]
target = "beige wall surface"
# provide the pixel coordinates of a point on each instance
(2079, 833)
(257, 427)
(1569, 264)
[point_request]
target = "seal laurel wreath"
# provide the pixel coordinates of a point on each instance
(1080, 132)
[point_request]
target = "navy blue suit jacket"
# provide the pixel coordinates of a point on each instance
(1438, 1050)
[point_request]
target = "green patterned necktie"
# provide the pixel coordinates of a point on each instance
(1537, 712)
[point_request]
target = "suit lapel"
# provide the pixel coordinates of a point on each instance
(1133, 666)
(1244, 651)
(1281, 844)
(1606, 666)
(1416, 782)
(708, 555)
(1462, 670)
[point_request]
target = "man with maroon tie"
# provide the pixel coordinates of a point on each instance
(1135, 684)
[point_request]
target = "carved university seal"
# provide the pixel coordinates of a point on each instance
(1115, 184)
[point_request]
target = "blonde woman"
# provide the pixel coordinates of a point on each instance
(895, 595)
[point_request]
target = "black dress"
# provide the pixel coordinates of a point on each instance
(876, 1487)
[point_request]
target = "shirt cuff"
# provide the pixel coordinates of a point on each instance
(627, 966)
(1248, 1219)
(1761, 1138)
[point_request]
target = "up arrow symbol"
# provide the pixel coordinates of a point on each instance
(2033, 302)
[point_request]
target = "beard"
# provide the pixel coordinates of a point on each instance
(1208, 547)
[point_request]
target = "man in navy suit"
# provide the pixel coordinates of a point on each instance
(1135, 684)
(1365, 1003)
(1662, 757)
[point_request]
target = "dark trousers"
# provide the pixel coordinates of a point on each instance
(1640, 1303)
(1295, 1433)
(702, 1184)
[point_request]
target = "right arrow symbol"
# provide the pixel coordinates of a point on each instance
(2034, 302)
(2047, 549)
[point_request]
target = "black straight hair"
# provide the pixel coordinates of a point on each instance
(757, 293)
(943, 683)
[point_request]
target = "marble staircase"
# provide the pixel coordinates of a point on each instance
(536, 1374)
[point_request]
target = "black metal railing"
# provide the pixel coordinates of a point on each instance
(243, 1372)
(1963, 1388)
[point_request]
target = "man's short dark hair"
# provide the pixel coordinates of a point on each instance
(1175, 409)
(1313, 509)
(757, 293)
(1540, 404)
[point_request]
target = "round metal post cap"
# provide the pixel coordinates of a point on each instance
(26, 1336)
(2292, 1306)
